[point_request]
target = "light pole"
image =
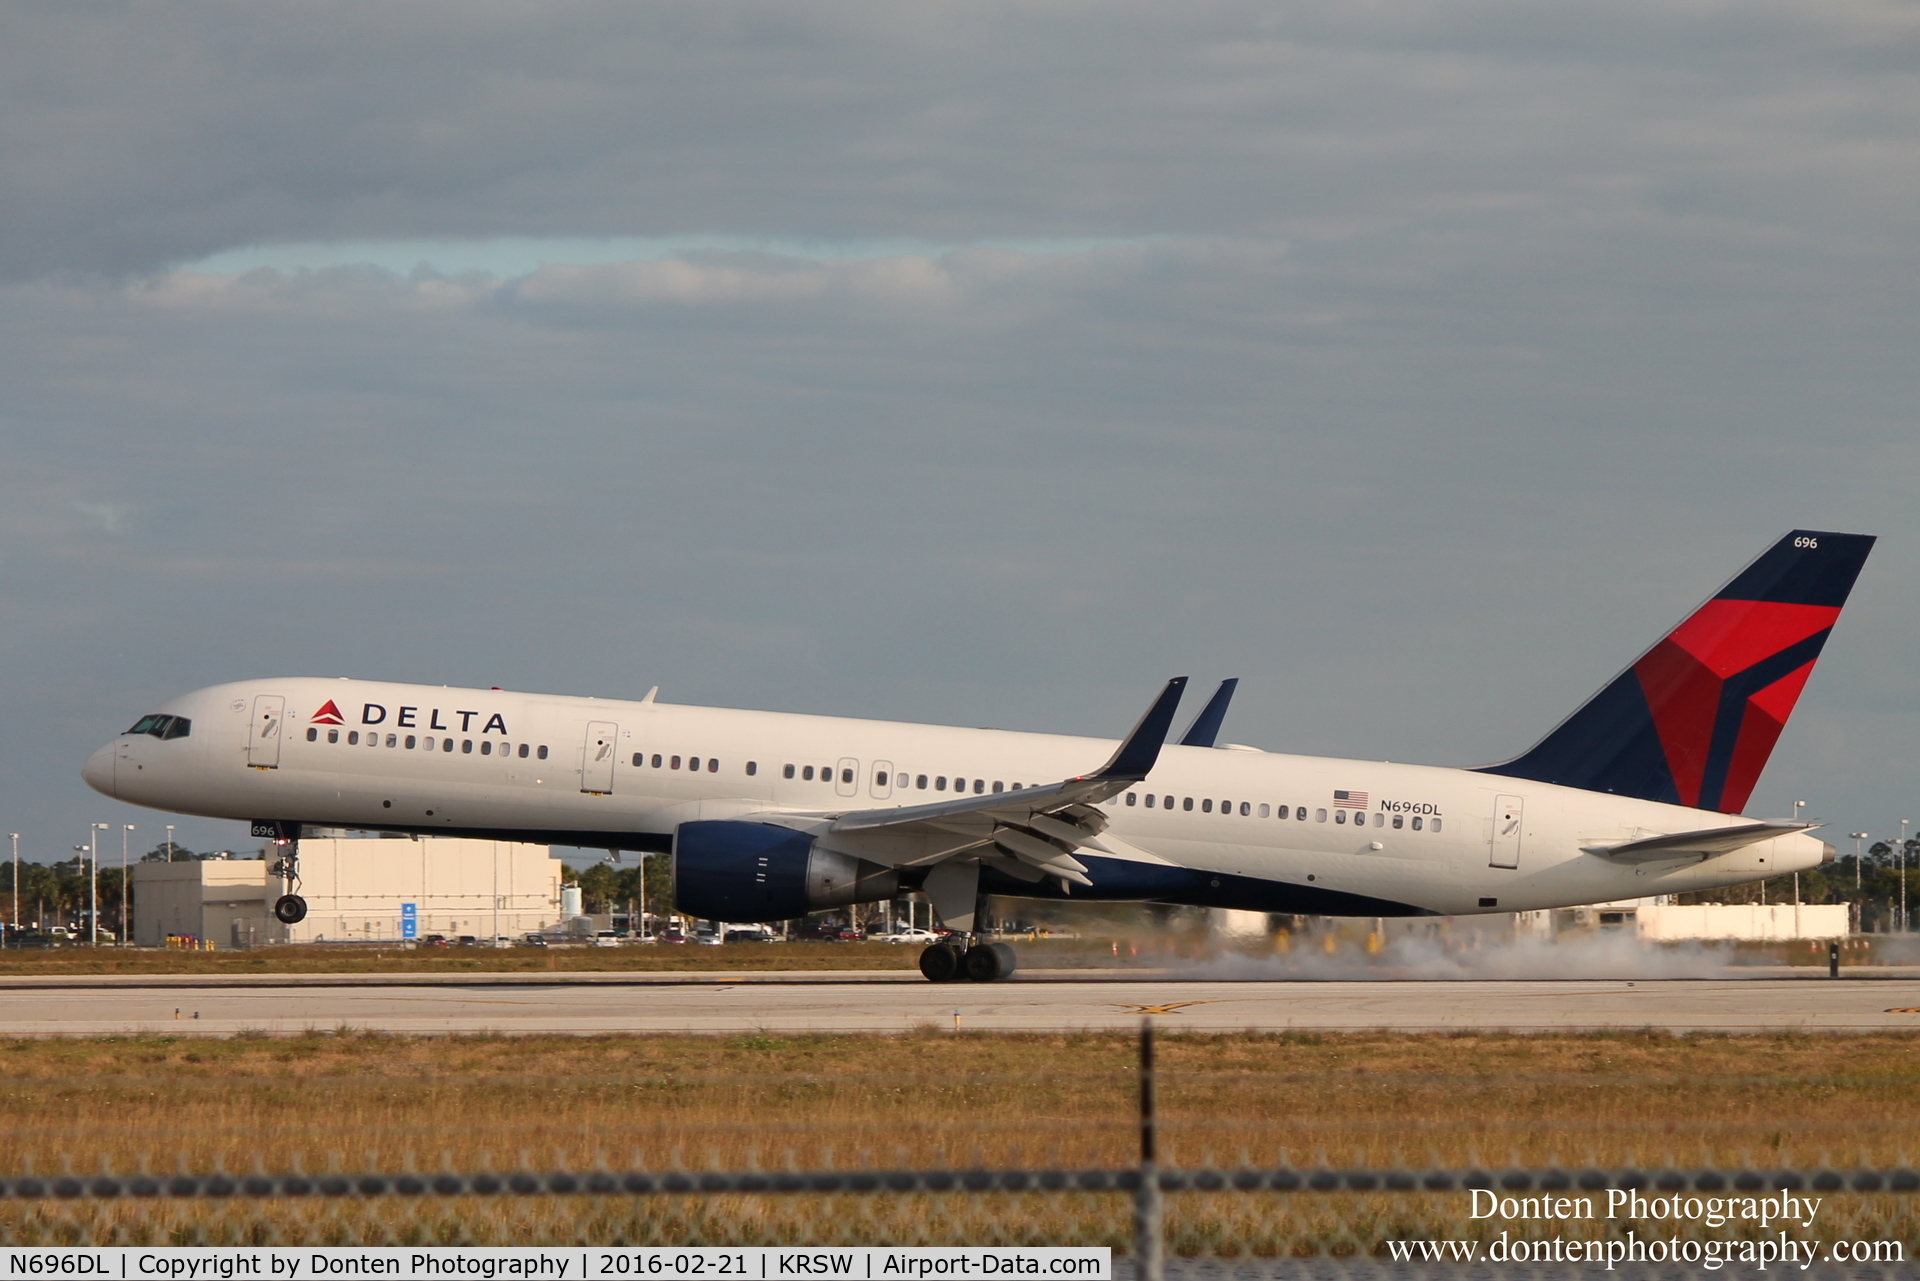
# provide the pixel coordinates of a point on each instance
(125, 930)
(1797, 807)
(93, 886)
(1857, 838)
(1903, 876)
(15, 838)
(169, 842)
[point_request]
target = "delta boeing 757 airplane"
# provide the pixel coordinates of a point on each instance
(770, 815)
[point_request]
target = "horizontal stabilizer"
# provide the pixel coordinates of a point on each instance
(1702, 844)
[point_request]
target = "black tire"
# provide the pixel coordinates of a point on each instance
(940, 963)
(1008, 961)
(290, 909)
(983, 963)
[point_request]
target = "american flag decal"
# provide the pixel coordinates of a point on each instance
(1349, 800)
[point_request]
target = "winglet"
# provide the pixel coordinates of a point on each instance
(1206, 726)
(1136, 756)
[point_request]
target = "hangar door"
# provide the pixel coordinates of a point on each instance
(1505, 850)
(597, 774)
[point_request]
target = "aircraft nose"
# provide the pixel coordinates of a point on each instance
(98, 771)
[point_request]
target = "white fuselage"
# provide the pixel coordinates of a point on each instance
(537, 767)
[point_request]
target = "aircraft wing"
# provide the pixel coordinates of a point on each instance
(1030, 833)
(1704, 843)
(1206, 726)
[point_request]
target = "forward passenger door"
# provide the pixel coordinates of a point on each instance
(269, 722)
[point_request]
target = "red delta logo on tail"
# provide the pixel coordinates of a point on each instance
(1693, 721)
(328, 715)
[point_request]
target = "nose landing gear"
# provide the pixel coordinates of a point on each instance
(980, 963)
(289, 908)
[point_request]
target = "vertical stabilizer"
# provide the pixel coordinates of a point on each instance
(1693, 721)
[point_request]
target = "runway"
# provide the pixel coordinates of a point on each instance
(891, 1003)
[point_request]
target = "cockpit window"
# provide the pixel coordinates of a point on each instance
(163, 726)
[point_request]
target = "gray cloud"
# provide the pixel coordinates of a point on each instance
(1416, 367)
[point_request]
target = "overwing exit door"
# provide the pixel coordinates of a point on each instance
(597, 772)
(263, 742)
(1505, 849)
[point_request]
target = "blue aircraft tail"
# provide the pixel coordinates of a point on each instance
(1693, 721)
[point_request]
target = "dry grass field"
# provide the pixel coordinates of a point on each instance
(937, 1099)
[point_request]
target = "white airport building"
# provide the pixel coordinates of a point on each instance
(357, 890)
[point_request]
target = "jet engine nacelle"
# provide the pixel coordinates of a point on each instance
(735, 871)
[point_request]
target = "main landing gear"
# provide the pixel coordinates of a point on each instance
(979, 963)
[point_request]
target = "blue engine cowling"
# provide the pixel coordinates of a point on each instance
(734, 871)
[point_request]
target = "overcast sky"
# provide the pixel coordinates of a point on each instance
(981, 363)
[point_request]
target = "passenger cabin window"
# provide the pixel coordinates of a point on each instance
(940, 783)
(486, 747)
(693, 763)
(786, 771)
(394, 738)
(1187, 803)
(410, 742)
(542, 753)
(333, 736)
(998, 786)
(674, 763)
(1263, 810)
(1397, 820)
(1319, 816)
(1133, 798)
(1339, 816)
(1300, 815)
(466, 747)
(980, 785)
(1245, 811)
(313, 735)
(900, 781)
(1436, 824)
(446, 745)
(1149, 800)
(880, 777)
(1206, 806)
(656, 757)
(353, 738)
(846, 776)
(713, 764)
(523, 752)
(1416, 822)
(807, 774)
(920, 782)
(753, 767)
(639, 758)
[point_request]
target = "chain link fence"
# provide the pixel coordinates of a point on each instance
(1191, 1219)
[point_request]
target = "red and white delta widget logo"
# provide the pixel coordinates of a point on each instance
(328, 715)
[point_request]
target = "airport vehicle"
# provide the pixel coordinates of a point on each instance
(770, 816)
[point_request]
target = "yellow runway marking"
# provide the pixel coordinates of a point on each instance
(1171, 1007)
(1905, 1009)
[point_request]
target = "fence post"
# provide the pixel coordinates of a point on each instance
(1148, 1262)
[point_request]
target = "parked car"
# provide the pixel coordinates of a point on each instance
(849, 934)
(908, 934)
(750, 934)
(607, 938)
(673, 935)
(707, 938)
